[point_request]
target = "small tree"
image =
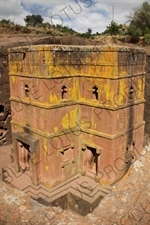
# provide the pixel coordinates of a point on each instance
(134, 31)
(89, 31)
(147, 39)
(5, 21)
(26, 30)
(46, 25)
(33, 20)
(140, 20)
(112, 29)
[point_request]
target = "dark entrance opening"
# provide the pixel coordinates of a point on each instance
(92, 160)
(1, 109)
(23, 156)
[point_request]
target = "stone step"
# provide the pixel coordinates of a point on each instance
(88, 198)
(90, 187)
(31, 189)
(65, 183)
(90, 194)
(78, 190)
(91, 182)
(50, 194)
(18, 174)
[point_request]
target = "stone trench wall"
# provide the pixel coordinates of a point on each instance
(147, 98)
(5, 114)
(5, 111)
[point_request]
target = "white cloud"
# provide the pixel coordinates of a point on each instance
(74, 13)
(93, 20)
(8, 7)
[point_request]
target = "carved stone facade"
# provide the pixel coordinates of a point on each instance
(76, 110)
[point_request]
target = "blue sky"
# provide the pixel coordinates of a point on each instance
(77, 14)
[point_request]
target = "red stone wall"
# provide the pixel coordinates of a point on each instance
(5, 114)
(99, 119)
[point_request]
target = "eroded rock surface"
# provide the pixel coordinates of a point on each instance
(127, 204)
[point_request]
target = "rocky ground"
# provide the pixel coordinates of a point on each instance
(127, 204)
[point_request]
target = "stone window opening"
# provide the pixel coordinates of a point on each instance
(1, 109)
(26, 89)
(23, 156)
(95, 93)
(64, 92)
(133, 56)
(24, 55)
(130, 155)
(131, 93)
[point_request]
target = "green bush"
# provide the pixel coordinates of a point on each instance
(5, 21)
(55, 34)
(147, 30)
(26, 30)
(12, 28)
(147, 39)
(7, 26)
(85, 35)
(46, 25)
(17, 27)
(67, 30)
(134, 31)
